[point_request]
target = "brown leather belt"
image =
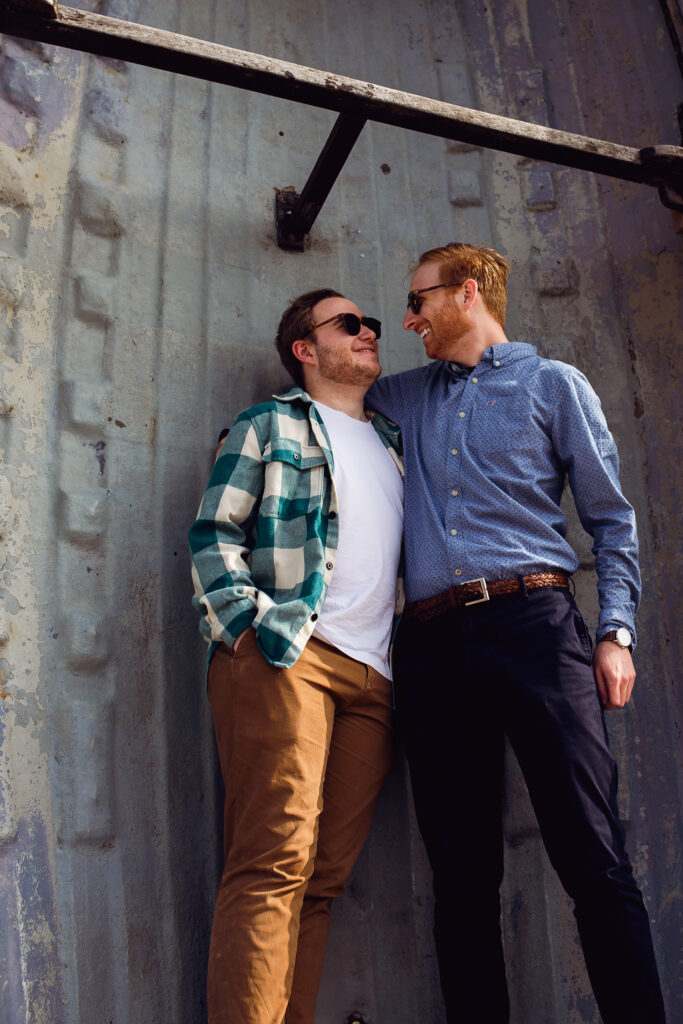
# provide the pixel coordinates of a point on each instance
(479, 590)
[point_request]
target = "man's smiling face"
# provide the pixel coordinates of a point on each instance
(340, 357)
(442, 323)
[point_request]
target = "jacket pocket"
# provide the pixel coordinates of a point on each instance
(294, 479)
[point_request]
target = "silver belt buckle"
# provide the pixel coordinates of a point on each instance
(484, 590)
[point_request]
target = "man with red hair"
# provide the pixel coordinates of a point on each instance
(492, 644)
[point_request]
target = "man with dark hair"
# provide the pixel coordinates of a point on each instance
(492, 644)
(296, 323)
(295, 556)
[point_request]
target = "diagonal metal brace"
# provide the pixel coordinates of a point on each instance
(295, 214)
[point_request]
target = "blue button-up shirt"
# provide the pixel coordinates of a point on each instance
(487, 452)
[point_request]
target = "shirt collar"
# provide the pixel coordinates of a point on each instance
(460, 372)
(506, 353)
(293, 394)
(494, 356)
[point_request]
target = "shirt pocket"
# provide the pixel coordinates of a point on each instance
(504, 424)
(294, 479)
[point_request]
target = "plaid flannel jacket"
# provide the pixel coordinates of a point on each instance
(264, 542)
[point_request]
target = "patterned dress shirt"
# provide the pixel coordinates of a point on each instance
(486, 454)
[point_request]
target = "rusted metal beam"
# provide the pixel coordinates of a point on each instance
(295, 214)
(128, 41)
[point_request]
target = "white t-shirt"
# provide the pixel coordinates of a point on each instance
(357, 614)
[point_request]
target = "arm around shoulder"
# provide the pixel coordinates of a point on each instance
(394, 394)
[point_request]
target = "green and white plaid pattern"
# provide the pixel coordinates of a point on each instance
(264, 543)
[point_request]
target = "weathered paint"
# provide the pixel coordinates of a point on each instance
(38, 108)
(140, 285)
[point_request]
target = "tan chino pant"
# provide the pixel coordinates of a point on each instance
(303, 752)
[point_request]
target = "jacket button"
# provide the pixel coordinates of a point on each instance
(333, 515)
(296, 457)
(314, 616)
(328, 565)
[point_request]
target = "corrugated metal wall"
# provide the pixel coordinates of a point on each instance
(139, 290)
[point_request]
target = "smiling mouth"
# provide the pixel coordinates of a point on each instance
(423, 334)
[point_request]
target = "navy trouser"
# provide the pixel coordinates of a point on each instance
(522, 666)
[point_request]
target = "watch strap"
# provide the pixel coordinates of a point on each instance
(611, 634)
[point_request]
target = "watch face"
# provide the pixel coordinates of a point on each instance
(623, 637)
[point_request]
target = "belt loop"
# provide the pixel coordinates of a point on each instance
(522, 583)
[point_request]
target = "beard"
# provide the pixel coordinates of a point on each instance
(448, 325)
(339, 366)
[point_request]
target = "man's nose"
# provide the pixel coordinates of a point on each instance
(366, 332)
(409, 320)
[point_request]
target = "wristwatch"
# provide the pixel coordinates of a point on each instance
(620, 636)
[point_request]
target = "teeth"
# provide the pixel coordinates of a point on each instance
(423, 334)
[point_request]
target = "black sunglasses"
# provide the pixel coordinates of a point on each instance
(352, 324)
(415, 303)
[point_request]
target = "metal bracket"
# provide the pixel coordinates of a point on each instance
(295, 214)
(286, 205)
(665, 161)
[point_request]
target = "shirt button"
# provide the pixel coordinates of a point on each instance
(496, 362)
(296, 457)
(328, 565)
(333, 515)
(461, 415)
(314, 616)
(454, 493)
(454, 451)
(458, 572)
(475, 380)
(454, 533)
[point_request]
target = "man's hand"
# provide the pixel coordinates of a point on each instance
(614, 674)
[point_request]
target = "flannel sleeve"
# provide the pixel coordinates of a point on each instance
(225, 594)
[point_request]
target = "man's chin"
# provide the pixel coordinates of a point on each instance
(367, 374)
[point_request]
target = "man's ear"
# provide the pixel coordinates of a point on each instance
(303, 350)
(470, 291)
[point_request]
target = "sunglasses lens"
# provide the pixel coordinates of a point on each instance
(373, 325)
(414, 302)
(351, 323)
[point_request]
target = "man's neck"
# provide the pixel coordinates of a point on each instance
(467, 351)
(349, 399)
